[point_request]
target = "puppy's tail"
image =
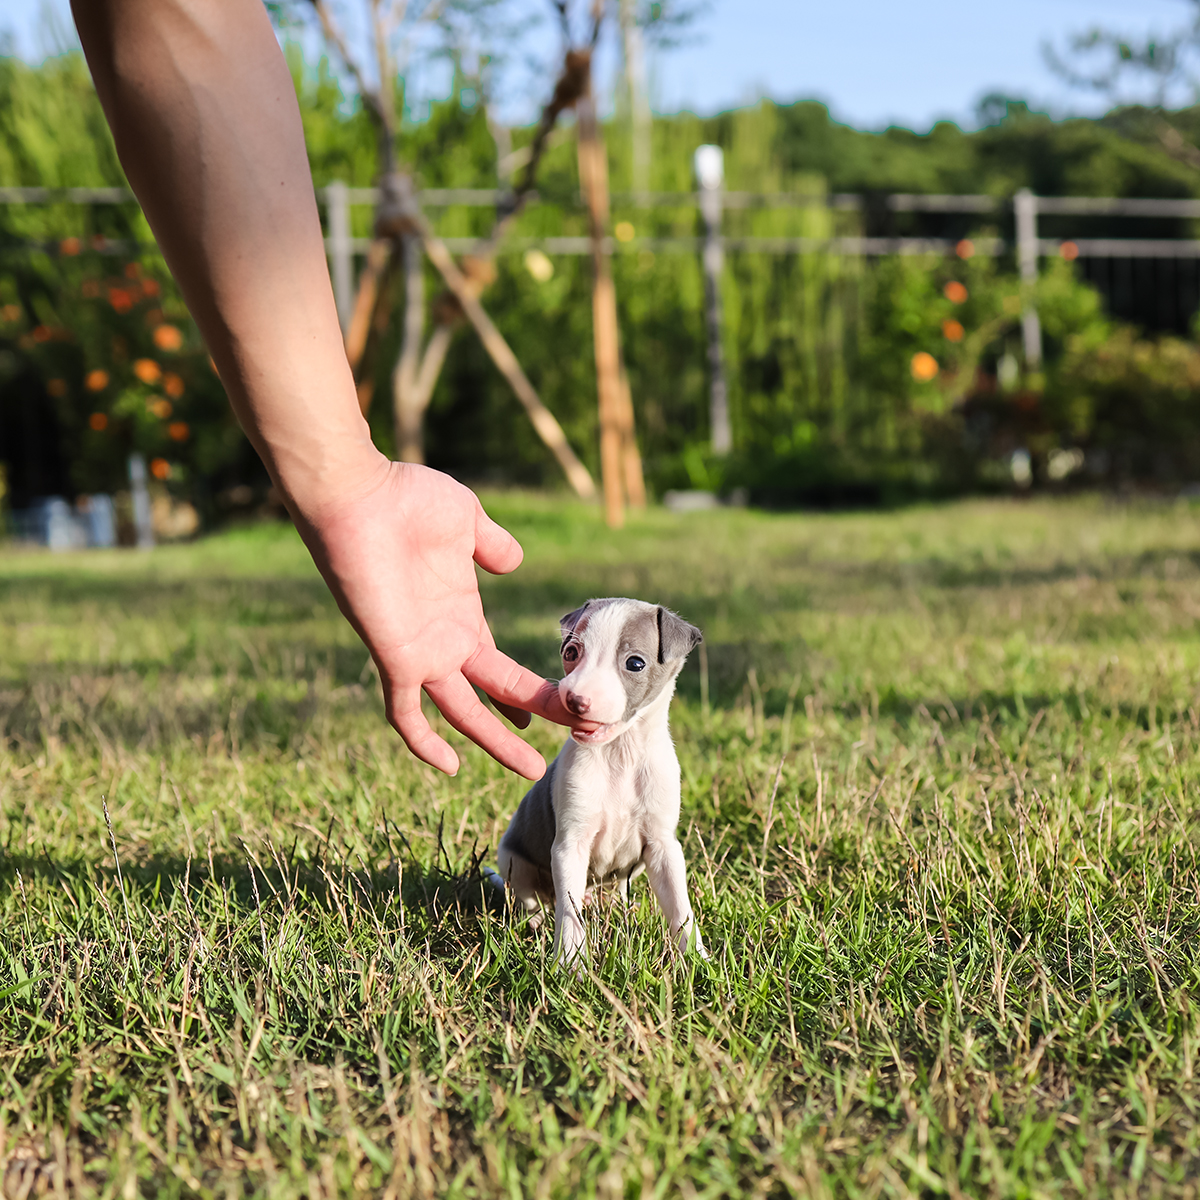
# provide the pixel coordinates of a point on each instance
(493, 877)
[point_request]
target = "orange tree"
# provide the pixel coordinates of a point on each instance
(122, 364)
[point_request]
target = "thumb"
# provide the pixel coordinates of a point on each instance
(496, 550)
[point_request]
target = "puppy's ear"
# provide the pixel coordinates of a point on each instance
(567, 624)
(676, 638)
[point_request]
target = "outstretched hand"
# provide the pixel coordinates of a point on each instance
(398, 552)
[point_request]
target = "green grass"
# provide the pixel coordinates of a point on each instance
(940, 804)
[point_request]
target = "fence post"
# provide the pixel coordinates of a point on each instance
(341, 262)
(1025, 210)
(140, 494)
(709, 165)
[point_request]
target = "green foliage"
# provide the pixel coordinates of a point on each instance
(820, 347)
(939, 821)
(1021, 149)
(52, 129)
(1135, 400)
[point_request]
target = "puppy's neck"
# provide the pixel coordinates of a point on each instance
(634, 741)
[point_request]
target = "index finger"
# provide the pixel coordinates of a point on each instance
(514, 685)
(461, 707)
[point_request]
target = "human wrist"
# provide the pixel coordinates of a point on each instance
(308, 430)
(318, 478)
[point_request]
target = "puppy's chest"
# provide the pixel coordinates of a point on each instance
(618, 812)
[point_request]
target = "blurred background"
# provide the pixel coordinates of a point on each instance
(857, 255)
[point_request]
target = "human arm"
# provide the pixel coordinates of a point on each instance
(208, 129)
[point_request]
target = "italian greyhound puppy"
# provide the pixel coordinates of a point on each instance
(608, 806)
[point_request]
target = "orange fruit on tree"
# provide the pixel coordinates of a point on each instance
(167, 337)
(98, 421)
(953, 330)
(96, 381)
(955, 292)
(160, 468)
(178, 431)
(172, 385)
(924, 366)
(147, 370)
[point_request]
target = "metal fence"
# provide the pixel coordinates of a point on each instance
(1025, 209)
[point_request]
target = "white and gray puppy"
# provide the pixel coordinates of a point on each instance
(608, 806)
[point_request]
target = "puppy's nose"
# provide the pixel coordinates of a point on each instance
(577, 704)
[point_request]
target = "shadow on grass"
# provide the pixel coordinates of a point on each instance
(443, 901)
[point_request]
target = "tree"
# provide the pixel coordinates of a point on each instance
(1147, 75)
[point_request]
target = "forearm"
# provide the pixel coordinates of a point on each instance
(208, 129)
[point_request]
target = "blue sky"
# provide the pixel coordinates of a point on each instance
(874, 62)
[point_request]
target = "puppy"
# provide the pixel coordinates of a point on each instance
(607, 808)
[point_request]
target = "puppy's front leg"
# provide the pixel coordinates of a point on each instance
(667, 872)
(569, 865)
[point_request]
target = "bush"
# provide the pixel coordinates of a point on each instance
(1132, 403)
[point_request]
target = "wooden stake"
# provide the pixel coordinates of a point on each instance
(378, 255)
(380, 285)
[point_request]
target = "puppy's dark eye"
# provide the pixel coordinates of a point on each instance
(635, 663)
(570, 653)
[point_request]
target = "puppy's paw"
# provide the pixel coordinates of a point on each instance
(572, 956)
(688, 940)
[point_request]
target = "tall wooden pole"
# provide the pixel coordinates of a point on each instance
(616, 411)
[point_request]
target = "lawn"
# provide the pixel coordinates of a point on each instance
(941, 786)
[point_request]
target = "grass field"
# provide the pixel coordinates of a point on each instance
(940, 801)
